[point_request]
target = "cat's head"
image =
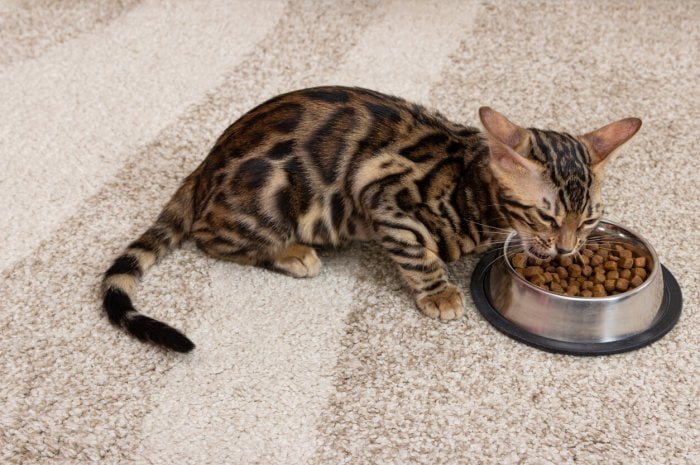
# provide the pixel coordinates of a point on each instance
(548, 183)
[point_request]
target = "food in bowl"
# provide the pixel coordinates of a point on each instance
(600, 269)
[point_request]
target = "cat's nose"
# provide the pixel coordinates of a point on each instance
(562, 251)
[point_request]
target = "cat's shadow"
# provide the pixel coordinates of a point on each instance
(372, 267)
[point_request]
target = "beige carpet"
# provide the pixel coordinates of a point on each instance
(105, 106)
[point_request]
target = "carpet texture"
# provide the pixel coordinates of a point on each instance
(105, 106)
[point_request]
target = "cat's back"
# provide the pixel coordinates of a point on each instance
(313, 116)
(329, 126)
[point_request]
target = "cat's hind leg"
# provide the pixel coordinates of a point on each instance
(294, 259)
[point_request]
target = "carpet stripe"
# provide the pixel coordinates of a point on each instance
(31, 28)
(78, 108)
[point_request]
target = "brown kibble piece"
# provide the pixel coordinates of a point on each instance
(520, 260)
(640, 262)
(602, 253)
(619, 248)
(586, 293)
(520, 271)
(538, 280)
(593, 247)
(575, 270)
(636, 281)
(641, 272)
(609, 285)
(597, 260)
(627, 262)
(587, 285)
(587, 252)
(599, 291)
(622, 284)
(599, 278)
(565, 261)
(531, 271)
(610, 265)
(587, 270)
(561, 271)
(547, 276)
(614, 274)
(555, 287)
(555, 278)
(532, 261)
(625, 253)
(627, 274)
(572, 291)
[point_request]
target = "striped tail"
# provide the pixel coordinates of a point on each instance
(170, 229)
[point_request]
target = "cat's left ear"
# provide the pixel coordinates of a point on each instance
(602, 142)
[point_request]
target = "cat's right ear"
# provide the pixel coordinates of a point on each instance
(504, 131)
(508, 143)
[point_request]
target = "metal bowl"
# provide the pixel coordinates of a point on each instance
(578, 320)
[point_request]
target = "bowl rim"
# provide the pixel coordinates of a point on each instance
(609, 298)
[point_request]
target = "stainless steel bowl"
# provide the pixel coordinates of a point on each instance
(578, 319)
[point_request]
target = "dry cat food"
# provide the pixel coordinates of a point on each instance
(599, 270)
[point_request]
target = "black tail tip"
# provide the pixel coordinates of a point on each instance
(178, 342)
(148, 329)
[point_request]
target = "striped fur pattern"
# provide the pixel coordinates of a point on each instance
(328, 165)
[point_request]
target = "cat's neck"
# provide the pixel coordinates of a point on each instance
(476, 198)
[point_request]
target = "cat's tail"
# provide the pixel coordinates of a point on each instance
(169, 230)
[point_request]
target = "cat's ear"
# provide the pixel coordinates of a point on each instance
(602, 142)
(508, 143)
(504, 131)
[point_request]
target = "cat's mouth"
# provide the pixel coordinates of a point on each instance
(532, 250)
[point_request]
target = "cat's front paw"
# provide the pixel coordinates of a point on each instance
(446, 305)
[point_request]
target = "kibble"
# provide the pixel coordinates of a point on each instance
(598, 291)
(532, 271)
(599, 270)
(561, 271)
(575, 270)
(622, 284)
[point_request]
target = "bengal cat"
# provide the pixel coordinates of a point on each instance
(328, 165)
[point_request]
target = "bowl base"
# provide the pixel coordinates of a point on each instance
(666, 318)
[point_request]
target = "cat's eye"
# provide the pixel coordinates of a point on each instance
(590, 222)
(548, 219)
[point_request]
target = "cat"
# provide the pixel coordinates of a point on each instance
(328, 165)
